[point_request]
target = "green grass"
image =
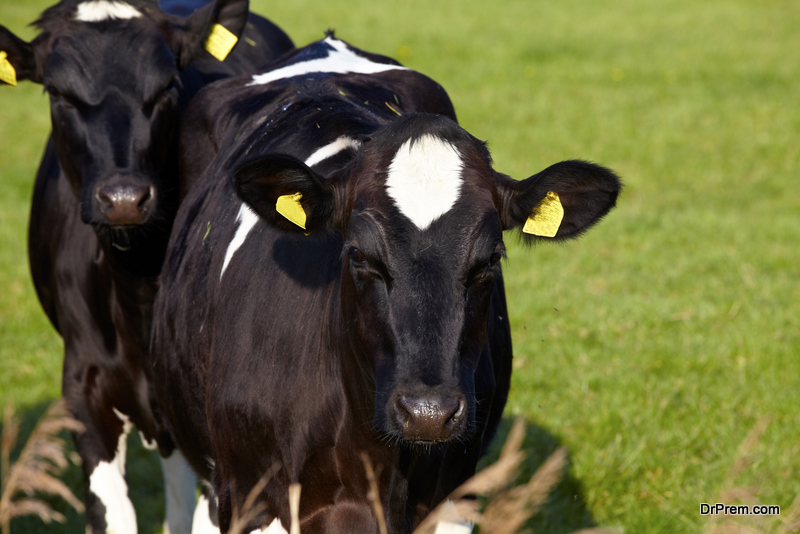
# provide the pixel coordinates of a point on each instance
(651, 346)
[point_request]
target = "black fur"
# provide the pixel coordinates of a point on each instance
(309, 350)
(117, 90)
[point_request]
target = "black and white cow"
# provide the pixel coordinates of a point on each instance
(119, 74)
(333, 286)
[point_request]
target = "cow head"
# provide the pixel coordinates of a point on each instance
(422, 214)
(113, 70)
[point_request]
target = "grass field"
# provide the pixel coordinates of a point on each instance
(651, 346)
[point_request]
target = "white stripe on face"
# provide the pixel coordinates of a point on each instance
(247, 218)
(340, 60)
(424, 179)
(99, 10)
(107, 482)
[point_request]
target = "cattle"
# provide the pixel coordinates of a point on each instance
(119, 75)
(333, 287)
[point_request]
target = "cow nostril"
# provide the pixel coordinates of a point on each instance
(429, 419)
(455, 414)
(147, 196)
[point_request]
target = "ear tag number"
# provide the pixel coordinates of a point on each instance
(7, 72)
(546, 216)
(289, 206)
(220, 42)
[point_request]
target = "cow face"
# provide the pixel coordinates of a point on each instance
(422, 213)
(112, 70)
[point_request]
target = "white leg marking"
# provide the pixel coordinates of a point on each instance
(180, 487)
(321, 154)
(453, 528)
(340, 60)
(202, 523)
(99, 10)
(247, 218)
(453, 523)
(276, 527)
(107, 482)
(424, 179)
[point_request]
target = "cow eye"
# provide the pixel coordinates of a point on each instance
(495, 258)
(356, 255)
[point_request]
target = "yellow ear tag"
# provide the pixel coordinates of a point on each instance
(289, 206)
(220, 42)
(7, 72)
(546, 216)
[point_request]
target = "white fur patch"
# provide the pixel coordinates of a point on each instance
(453, 528)
(247, 218)
(202, 523)
(425, 179)
(331, 149)
(180, 487)
(453, 523)
(107, 482)
(276, 527)
(99, 10)
(340, 60)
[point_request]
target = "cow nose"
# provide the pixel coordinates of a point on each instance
(125, 203)
(429, 419)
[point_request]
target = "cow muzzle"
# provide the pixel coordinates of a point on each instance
(124, 202)
(431, 418)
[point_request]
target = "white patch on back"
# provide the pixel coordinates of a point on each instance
(276, 527)
(425, 179)
(202, 523)
(340, 60)
(332, 149)
(247, 218)
(107, 482)
(180, 487)
(99, 10)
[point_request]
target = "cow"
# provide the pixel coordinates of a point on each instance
(333, 287)
(119, 75)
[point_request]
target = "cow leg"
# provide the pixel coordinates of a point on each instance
(89, 392)
(205, 516)
(108, 508)
(180, 484)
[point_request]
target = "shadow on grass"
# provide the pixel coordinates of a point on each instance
(144, 481)
(565, 510)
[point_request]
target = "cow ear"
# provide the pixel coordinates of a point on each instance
(287, 194)
(561, 202)
(213, 29)
(17, 59)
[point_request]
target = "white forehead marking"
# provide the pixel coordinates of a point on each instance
(340, 60)
(247, 218)
(97, 10)
(425, 179)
